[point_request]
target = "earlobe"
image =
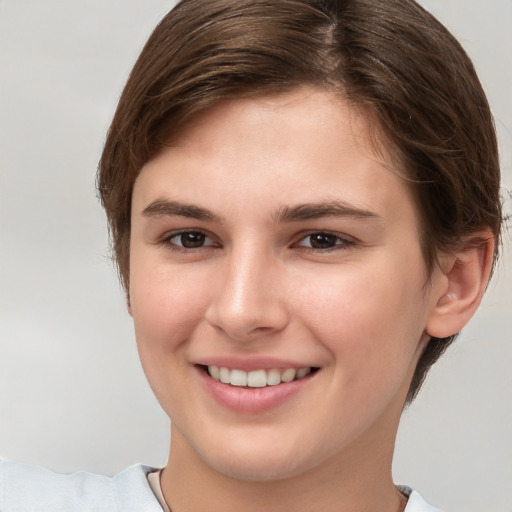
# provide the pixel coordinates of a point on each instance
(465, 275)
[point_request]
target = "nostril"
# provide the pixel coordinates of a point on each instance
(246, 326)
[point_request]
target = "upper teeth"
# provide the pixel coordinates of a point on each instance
(256, 378)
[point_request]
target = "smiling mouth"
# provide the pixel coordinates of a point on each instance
(257, 378)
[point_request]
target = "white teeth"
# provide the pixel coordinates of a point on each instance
(214, 372)
(224, 375)
(238, 378)
(303, 372)
(256, 378)
(273, 377)
(288, 375)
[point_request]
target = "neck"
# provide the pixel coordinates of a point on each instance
(343, 484)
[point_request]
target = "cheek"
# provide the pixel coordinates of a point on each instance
(166, 306)
(371, 319)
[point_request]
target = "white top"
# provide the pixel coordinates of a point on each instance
(30, 489)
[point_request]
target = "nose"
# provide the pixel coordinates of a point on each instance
(248, 300)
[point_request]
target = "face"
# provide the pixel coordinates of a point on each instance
(277, 286)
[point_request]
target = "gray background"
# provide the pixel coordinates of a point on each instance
(72, 394)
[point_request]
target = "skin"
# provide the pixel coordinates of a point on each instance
(357, 307)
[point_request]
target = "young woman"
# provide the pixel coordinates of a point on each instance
(304, 204)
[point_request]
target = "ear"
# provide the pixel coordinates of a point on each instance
(464, 275)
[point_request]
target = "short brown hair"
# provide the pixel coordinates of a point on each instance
(390, 57)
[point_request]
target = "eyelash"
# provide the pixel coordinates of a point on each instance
(167, 240)
(342, 242)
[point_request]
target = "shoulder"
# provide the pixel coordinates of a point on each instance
(416, 503)
(26, 488)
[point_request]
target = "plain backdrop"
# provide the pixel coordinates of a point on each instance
(72, 393)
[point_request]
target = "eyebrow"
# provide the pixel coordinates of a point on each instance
(311, 211)
(308, 211)
(170, 208)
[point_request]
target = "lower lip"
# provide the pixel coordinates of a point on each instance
(251, 400)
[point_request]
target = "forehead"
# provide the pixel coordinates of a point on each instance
(304, 109)
(304, 146)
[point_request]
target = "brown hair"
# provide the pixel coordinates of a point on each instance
(391, 57)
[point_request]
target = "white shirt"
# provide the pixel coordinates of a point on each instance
(31, 489)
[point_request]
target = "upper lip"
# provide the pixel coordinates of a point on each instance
(250, 363)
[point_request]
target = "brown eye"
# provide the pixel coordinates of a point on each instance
(190, 239)
(322, 240)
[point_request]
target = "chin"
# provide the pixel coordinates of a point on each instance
(257, 462)
(258, 471)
